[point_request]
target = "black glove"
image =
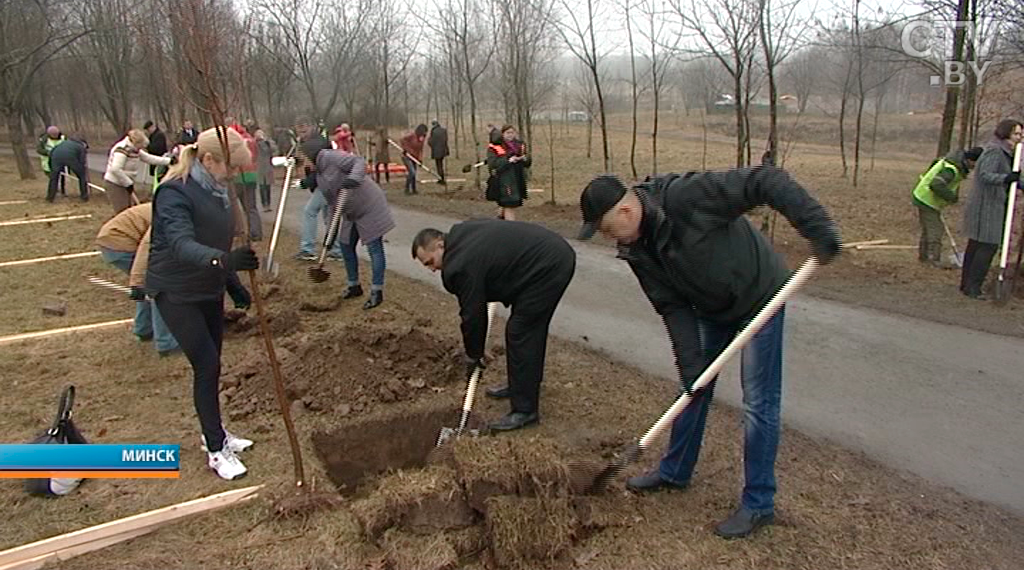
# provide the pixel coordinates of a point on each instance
(309, 182)
(826, 246)
(137, 294)
(1012, 177)
(240, 295)
(472, 364)
(241, 259)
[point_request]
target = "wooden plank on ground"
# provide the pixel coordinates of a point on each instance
(64, 330)
(44, 220)
(36, 554)
(860, 247)
(51, 258)
(869, 242)
(12, 202)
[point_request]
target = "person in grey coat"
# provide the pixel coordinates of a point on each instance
(366, 217)
(985, 213)
(438, 142)
(265, 150)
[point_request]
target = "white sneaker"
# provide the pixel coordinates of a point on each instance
(227, 465)
(231, 441)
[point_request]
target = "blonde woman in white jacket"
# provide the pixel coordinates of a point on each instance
(123, 165)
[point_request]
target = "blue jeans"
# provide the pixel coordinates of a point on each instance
(761, 379)
(410, 177)
(377, 262)
(148, 322)
(316, 205)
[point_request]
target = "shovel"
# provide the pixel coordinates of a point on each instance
(470, 167)
(448, 433)
(270, 266)
(593, 478)
(413, 158)
(317, 273)
(956, 258)
(1003, 284)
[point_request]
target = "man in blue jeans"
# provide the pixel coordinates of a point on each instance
(708, 272)
(316, 207)
(124, 243)
(310, 145)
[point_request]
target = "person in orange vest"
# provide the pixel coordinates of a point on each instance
(507, 162)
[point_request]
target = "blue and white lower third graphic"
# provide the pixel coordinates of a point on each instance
(93, 461)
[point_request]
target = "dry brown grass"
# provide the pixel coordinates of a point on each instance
(836, 509)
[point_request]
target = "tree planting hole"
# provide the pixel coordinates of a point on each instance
(362, 450)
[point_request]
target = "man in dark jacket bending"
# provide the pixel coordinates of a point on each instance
(69, 156)
(707, 272)
(522, 265)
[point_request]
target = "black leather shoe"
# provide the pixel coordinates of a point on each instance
(376, 298)
(742, 523)
(651, 481)
(515, 420)
(352, 291)
(498, 393)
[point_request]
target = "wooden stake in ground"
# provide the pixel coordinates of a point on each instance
(45, 259)
(59, 548)
(200, 50)
(64, 330)
(45, 220)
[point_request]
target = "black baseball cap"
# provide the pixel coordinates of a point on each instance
(597, 199)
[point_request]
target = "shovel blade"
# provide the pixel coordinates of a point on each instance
(271, 268)
(318, 274)
(449, 434)
(956, 259)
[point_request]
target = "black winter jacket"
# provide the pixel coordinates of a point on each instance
(191, 226)
(508, 261)
(71, 153)
(700, 258)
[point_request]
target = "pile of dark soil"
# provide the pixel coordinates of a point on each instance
(346, 371)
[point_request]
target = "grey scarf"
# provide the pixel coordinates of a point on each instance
(199, 173)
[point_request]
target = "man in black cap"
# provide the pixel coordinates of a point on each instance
(522, 265)
(707, 272)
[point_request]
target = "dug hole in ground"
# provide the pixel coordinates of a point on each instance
(370, 390)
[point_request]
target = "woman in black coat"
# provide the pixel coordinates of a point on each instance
(507, 162)
(190, 265)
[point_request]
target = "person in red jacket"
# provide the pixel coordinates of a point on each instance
(412, 148)
(245, 184)
(344, 139)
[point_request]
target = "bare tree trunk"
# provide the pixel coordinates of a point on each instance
(952, 91)
(25, 170)
(632, 70)
(874, 129)
(654, 132)
(590, 134)
(551, 150)
(704, 139)
(856, 139)
(740, 119)
(842, 132)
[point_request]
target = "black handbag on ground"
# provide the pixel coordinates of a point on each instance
(62, 432)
